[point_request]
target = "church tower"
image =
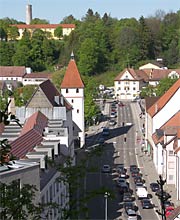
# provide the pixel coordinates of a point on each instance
(72, 88)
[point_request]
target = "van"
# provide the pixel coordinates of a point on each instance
(141, 193)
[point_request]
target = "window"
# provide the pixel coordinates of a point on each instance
(67, 90)
(77, 90)
(171, 165)
(119, 82)
(119, 88)
(50, 193)
(170, 177)
(171, 153)
(134, 88)
(72, 100)
(77, 110)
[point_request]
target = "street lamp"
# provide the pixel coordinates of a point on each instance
(161, 183)
(106, 204)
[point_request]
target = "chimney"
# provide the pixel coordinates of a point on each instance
(28, 14)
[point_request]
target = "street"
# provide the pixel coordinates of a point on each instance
(121, 147)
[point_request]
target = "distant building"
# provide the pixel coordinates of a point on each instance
(49, 28)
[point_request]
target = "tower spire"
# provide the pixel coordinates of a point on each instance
(72, 55)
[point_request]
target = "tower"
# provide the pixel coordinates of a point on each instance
(72, 88)
(28, 14)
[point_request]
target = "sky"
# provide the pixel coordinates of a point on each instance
(55, 10)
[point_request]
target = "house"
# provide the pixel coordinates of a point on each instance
(49, 28)
(72, 88)
(128, 84)
(162, 134)
(153, 65)
(35, 78)
(12, 73)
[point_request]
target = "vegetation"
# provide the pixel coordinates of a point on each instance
(103, 47)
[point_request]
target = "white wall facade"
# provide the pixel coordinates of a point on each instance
(171, 107)
(75, 97)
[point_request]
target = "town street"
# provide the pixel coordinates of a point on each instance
(120, 148)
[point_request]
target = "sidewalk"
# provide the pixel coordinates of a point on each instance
(151, 175)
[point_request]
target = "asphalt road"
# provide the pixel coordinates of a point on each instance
(120, 147)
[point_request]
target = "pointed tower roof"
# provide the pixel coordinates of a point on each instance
(72, 78)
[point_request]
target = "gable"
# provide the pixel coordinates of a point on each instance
(127, 76)
(39, 100)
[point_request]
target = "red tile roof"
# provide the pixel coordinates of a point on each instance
(136, 74)
(72, 78)
(44, 26)
(38, 75)
(12, 71)
(161, 102)
(31, 135)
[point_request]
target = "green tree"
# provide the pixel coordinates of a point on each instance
(58, 32)
(13, 33)
(39, 21)
(88, 57)
(7, 51)
(146, 43)
(164, 85)
(18, 202)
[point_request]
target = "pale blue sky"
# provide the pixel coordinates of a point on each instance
(55, 10)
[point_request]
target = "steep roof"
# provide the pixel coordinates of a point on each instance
(31, 135)
(161, 102)
(50, 92)
(171, 127)
(72, 78)
(12, 71)
(136, 74)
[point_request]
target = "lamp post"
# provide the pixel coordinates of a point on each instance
(161, 183)
(106, 204)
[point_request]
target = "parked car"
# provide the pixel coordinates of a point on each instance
(113, 115)
(147, 204)
(127, 197)
(121, 104)
(163, 194)
(131, 214)
(132, 167)
(120, 168)
(154, 187)
(169, 210)
(130, 205)
(124, 188)
(112, 122)
(138, 179)
(120, 181)
(168, 203)
(140, 184)
(106, 168)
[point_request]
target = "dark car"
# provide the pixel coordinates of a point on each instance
(136, 173)
(130, 205)
(163, 194)
(147, 204)
(124, 188)
(138, 179)
(105, 132)
(133, 167)
(154, 187)
(168, 203)
(127, 197)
